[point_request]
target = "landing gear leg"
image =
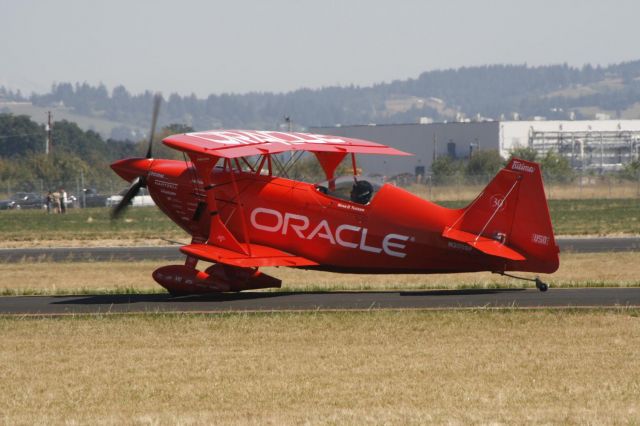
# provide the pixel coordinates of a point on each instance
(540, 285)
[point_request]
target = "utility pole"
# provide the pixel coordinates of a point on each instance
(473, 145)
(287, 119)
(47, 146)
(435, 145)
(84, 193)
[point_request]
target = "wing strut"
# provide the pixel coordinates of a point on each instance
(219, 234)
(243, 220)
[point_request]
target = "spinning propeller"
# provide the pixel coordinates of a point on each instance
(140, 181)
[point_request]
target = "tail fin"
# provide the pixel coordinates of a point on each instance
(510, 219)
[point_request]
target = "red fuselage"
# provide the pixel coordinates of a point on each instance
(395, 232)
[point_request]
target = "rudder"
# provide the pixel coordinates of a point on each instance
(510, 217)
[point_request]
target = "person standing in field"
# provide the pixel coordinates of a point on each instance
(49, 201)
(56, 202)
(63, 201)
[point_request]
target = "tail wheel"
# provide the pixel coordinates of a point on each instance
(540, 285)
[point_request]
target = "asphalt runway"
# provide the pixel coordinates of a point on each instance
(79, 254)
(319, 301)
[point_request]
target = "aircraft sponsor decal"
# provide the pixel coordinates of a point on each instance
(543, 240)
(250, 138)
(270, 220)
(458, 246)
(497, 201)
(177, 278)
(521, 167)
(164, 184)
(350, 207)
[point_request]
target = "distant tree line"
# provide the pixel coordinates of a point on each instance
(490, 91)
(73, 153)
(484, 164)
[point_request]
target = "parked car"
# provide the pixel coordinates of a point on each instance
(93, 199)
(72, 201)
(143, 199)
(23, 200)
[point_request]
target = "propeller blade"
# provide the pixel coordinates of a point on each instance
(156, 109)
(140, 181)
(133, 190)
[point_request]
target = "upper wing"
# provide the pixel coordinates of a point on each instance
(244, 143)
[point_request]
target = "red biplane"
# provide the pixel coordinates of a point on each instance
(241, 216)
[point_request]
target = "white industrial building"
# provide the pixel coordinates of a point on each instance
(593, 145)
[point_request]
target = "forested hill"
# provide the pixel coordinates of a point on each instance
(496, 91)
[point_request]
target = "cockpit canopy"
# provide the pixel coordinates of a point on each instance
(321, 171)
(356, 190)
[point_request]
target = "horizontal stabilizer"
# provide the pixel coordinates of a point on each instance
(485, 245)
(259, 256)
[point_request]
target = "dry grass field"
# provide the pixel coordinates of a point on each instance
(384, 367)
(576, 270)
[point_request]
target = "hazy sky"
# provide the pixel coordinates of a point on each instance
(213, 46)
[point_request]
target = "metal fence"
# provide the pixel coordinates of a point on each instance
(460, 188)
(81, 193)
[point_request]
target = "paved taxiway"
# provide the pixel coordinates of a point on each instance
(312, 301)
(66, 254)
